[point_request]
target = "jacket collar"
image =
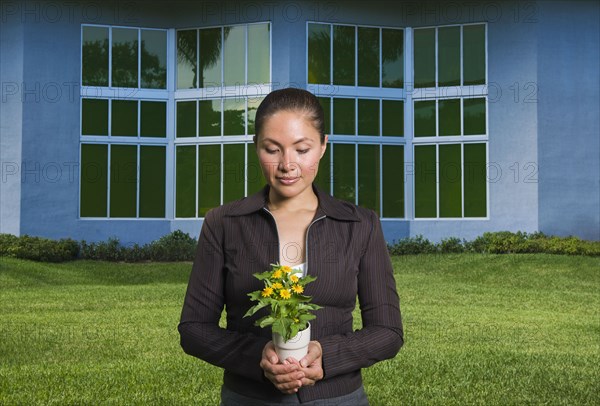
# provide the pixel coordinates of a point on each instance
(328, 205)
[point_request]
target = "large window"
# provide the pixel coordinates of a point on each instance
(223, 73)
(124, 122)
(434, 164)
(167, 118)
(358, 74)
(449, 122)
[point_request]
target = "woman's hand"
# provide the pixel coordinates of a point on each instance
(312, 364)
(291, 375)
(286, 377)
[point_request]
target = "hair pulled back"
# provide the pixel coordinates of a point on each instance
(291, 99)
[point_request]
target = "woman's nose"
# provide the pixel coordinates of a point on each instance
(286, 163)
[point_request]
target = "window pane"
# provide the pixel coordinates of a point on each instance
(124, 118)
(425, 118)
(153, 119)
(450, 181)
(187, 59)
(326, 104)
(185, 183)
(343, 55)
(152, 181)
(254, 175)
(368, 56)
(123, 180)
(124, 57)
(474, 116)
(343, 116)
(368, 117)
(393, 118)
(393, 181)
(344, 170)
(94, 186)
(209, 117)
(449, 56)
(259, 53)
(253, 103)
(186, 119)
(234, 56)
(233, 172)
(392, 49)
(319, 53)
(368, 176)
(209, 182)
(94, 117)
(323, 178)
(154, 59)
(210, 57)
(424, 66)
(475, 180)
(425, 181)
(94, 56)
(474, 54)
(234, 116)
(449, 115)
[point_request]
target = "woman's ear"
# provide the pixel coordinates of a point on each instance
(324, 146)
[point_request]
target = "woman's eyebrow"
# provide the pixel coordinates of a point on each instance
(303, 139)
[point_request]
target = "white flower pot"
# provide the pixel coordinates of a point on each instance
(296, 347)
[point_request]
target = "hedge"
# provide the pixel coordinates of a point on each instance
(179, 246)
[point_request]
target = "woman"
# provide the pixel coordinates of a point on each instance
(292, 222)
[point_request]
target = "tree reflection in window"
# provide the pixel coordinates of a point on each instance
(211, 45)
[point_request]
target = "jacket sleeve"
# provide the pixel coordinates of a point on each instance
(381, 336)
(199, 328)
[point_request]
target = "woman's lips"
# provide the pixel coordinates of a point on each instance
(288, 181)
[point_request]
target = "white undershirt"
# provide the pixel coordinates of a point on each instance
(300, 269)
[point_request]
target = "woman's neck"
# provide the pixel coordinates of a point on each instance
(307, 200)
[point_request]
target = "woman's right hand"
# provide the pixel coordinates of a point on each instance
(286, 377)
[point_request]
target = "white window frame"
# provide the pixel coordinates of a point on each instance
(222, 93)
(138, 94)
(362, 92)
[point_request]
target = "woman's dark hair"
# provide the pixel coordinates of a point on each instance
(291, 99)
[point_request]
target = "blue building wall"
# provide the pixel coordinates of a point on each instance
(543, 101)
(569, 108)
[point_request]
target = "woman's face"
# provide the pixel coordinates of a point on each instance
(289, 149)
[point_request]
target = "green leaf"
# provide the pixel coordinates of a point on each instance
(263, 275)
(265, 321)
(255, 308)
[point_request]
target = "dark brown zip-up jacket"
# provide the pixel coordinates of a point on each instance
(345, 250)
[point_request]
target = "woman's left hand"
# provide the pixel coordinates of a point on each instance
(312, 364)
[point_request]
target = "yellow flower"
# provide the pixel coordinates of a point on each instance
(296, 320)
(277, 274)
(285, 293)
(277, 285)
(294, 278)
(297, 288)
(267, 292)
(286, 269)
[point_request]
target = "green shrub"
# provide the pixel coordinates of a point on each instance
(38, 248)
(177, 246)
(412, 245)
(451, 245)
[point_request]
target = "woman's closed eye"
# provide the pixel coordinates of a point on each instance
(303, 151)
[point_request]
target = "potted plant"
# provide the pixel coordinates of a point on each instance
(290, 310)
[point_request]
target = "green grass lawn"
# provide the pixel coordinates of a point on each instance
(479, 329)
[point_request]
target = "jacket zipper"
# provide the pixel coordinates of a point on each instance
(305, 242)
